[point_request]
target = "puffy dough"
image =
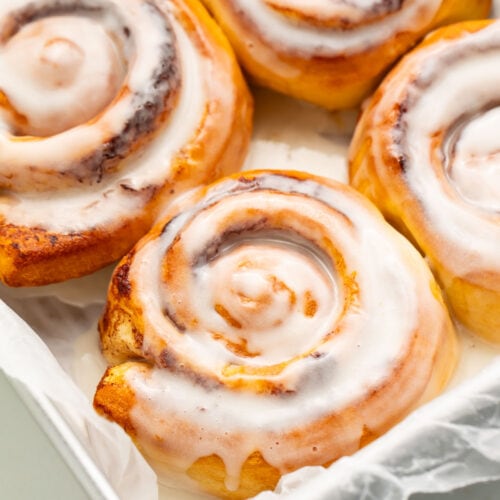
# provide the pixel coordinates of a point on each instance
(272, 320)
(426, 152)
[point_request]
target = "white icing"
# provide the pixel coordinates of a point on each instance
(58, 73)
(303, 38)
(34, 164)
(330, 10)
(475, 170)
(272, 122)
(257, 260)
(476, 354)
(460, 200)
(105, 203)
(254, 283)
(373, 334)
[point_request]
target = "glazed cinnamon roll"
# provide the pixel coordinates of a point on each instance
(273, 321)
(107, 109)
(331, 52)
(426, 152)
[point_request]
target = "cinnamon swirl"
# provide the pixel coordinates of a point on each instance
(107, 109)
(426, 152)
(273, 321)
(331, 52)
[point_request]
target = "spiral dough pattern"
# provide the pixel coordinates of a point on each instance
(280, 319)
(426, 151)
(107, 108)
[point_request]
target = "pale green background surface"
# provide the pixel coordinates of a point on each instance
(30, 465)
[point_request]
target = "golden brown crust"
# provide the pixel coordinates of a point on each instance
(115, 399)
(338, 81)
(33, 256)
(144, 321)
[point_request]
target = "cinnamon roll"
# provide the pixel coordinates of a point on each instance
(331, 52)
(273, 320)
(426, 152)
(107, 109)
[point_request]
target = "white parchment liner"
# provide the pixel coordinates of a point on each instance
(25, 357)
(449, 443)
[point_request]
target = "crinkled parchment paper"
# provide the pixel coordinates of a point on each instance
(25, 357)
(451, 442)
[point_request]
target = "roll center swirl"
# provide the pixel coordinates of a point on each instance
(253, 296)
(64, 70)
(269, 290)
(268, 293)
(473, 159)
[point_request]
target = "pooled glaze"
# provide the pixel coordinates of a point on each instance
(318, 143)
(209, 397)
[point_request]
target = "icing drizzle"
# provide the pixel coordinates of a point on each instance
(324, 27)
(275, 323)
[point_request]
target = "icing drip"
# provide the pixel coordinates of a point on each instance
(302, 330)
